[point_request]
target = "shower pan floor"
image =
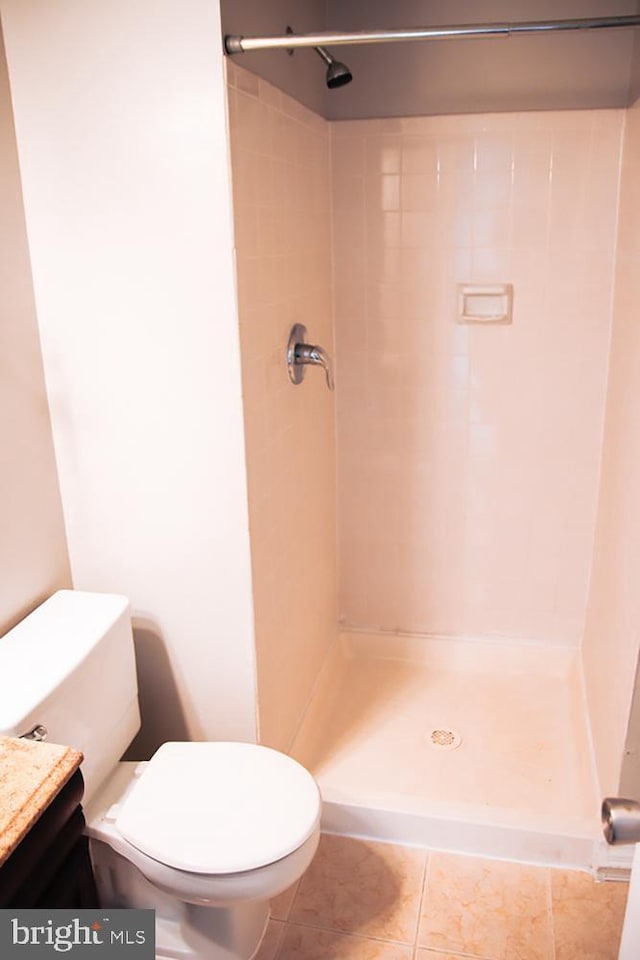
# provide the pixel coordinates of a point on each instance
(510, 774)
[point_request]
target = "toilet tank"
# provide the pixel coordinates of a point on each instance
(69, 667)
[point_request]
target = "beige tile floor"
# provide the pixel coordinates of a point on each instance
(365, 900)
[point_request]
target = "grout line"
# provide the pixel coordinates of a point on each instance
(347, 933)
(293, 900)
(423, 891)
(283, 925)
(456, 956)
(552, 930)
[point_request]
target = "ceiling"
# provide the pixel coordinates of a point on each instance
(554, 71)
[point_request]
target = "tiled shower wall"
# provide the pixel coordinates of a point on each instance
(469, 456)
(611, 636)
(282, 206)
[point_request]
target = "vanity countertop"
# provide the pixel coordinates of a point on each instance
(31, 774)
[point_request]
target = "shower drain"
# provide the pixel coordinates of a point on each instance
(443, 738)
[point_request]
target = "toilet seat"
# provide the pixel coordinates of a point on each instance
(219, 808)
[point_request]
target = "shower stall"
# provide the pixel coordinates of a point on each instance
(445, 549)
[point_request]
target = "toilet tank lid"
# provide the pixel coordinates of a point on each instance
(220, 807)
(41, 651)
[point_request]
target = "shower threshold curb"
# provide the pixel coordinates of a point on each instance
(582, 850)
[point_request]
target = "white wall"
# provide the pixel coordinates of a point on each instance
(33, 552)
(121, 132)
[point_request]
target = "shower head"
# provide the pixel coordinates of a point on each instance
(337, 73)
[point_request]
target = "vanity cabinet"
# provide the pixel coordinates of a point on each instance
(51, 866)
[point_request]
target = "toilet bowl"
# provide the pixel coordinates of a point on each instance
(218, 828)
(203, 833)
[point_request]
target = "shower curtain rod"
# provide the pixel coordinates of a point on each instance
(240, 44)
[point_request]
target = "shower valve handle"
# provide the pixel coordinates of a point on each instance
(301, 354)
(315, 355)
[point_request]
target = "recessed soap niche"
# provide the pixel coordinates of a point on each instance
(485, 303)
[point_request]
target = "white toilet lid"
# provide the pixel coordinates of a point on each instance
(220, 807)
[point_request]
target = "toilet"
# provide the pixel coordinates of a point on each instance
(204, 833)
